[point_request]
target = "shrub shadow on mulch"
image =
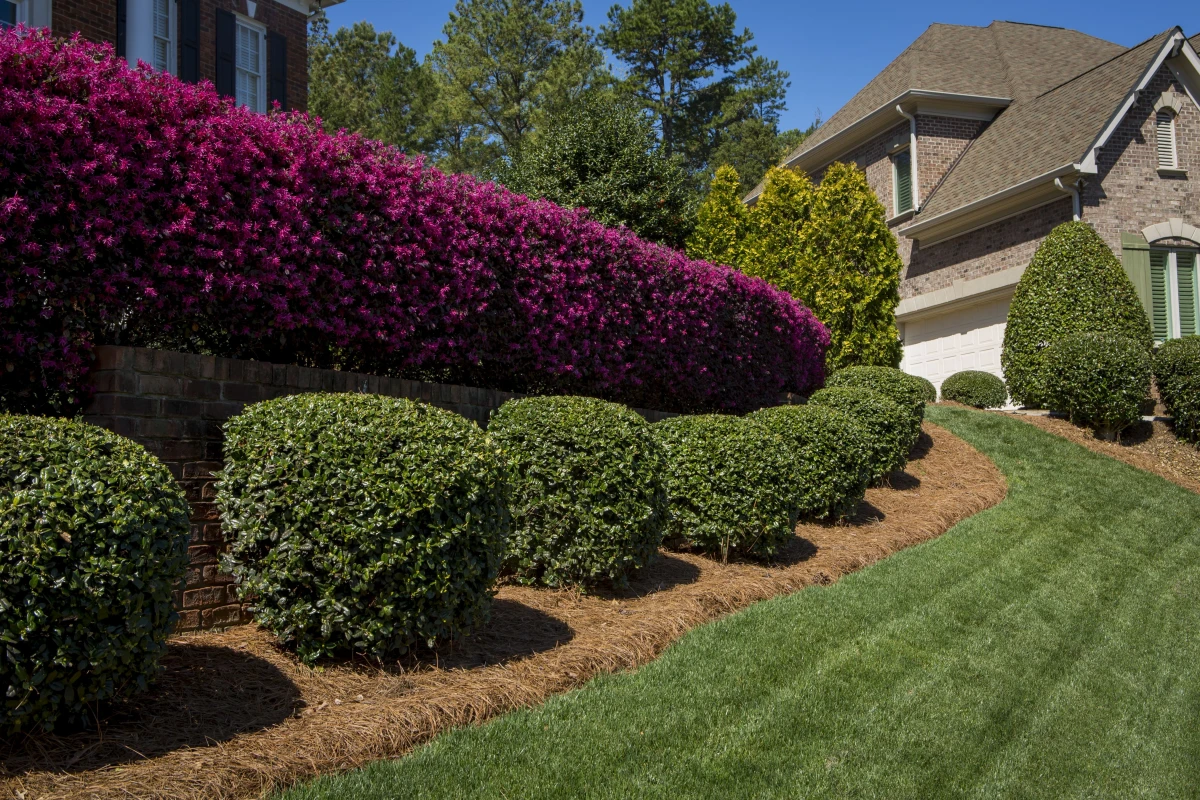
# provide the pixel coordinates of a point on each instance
(205, 695)
(541, 642)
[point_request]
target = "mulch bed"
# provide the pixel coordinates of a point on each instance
(1149, 446)
(235, 716)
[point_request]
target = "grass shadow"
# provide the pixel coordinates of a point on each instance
(204, 696)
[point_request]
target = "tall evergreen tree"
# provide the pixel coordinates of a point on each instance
(602, 154)
(686, 63)
(367, 82)
(505, 66)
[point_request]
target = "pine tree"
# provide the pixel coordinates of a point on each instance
(721, 222)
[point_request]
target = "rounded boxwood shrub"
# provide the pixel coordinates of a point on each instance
(725, 479)
(1186, 407)
(1074, 284)
(360, 523)
(975, 388)
(1098, 380)
(896, 385)
(830, 453)
(929, 391)
(586, 499)
(889, 427)
(1177, 358)
(93, 543)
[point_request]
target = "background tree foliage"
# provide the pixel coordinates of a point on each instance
(367, 82)
(602, 154)
(505, 67)
(826, 245)
(689, 66)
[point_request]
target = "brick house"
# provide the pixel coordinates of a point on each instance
(253, 50)
(979, 140)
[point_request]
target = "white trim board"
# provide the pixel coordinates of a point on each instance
(959, 293)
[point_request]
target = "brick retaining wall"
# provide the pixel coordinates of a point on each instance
(174, 404)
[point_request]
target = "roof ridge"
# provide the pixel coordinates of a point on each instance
(1008, 78)
(987, 124)
(1107, 61)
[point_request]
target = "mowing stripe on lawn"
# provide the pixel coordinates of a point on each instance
(1046, 647)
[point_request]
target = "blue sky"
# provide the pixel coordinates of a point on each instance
(832, 48)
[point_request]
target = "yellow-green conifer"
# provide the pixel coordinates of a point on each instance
(721, 222)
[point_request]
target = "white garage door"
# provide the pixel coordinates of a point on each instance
(936, 347)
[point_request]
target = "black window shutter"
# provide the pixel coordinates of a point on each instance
(277, 69)
(189, 40)
(121, 28)
(226, 43)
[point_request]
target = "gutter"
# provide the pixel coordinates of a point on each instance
(914, 231)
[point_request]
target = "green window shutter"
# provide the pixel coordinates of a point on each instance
(1135, 257)
(1185, 271)
(1159, 313)
(903, 166)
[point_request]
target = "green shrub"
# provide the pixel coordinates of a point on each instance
(830, 453)
(587, 501)
(929, 391)
(1177, 358)
(362, 524)
(725, 482)
(889, 427)
(903, 389)
(1098, 380)
(975, 388)
(1186, 408)
(93, 543)
(1073, 285)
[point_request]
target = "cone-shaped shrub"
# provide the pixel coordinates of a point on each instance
(1098, 379)
(137, 207)
(830, 455)
(586, 494)
(975, 388)
(721, 221)
(93, 545)
(362, 524)
(1073, 285)
(889, 427)
(726, 484)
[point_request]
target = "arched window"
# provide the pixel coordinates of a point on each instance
(1164, 131)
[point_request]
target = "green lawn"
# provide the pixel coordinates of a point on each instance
(1048, 647)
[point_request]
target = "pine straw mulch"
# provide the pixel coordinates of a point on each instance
(234, 716)
(1149, 446)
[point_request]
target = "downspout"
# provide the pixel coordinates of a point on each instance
(912, 151)
(1072, 190)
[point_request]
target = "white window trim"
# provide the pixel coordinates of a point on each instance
(172, 37)
(896, 182)
(1172, 286)
(258, 27)
(22, 11)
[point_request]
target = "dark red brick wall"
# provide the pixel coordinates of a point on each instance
(97, 21)
(174, 405)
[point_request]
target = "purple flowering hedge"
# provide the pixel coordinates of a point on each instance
(136, 209)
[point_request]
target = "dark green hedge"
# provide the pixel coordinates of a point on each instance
(1073, 285)
(830, 454)
(1177, 358)
(93, 543)
(889, 427)
(587, 500)
(903, 389)
(1186, 407)
(929, 391)
(1098, 380)
(362, 524)
(975, 388)
(725, 479)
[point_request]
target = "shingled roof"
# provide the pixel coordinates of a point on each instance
(1037, 135)
(1005, 59)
